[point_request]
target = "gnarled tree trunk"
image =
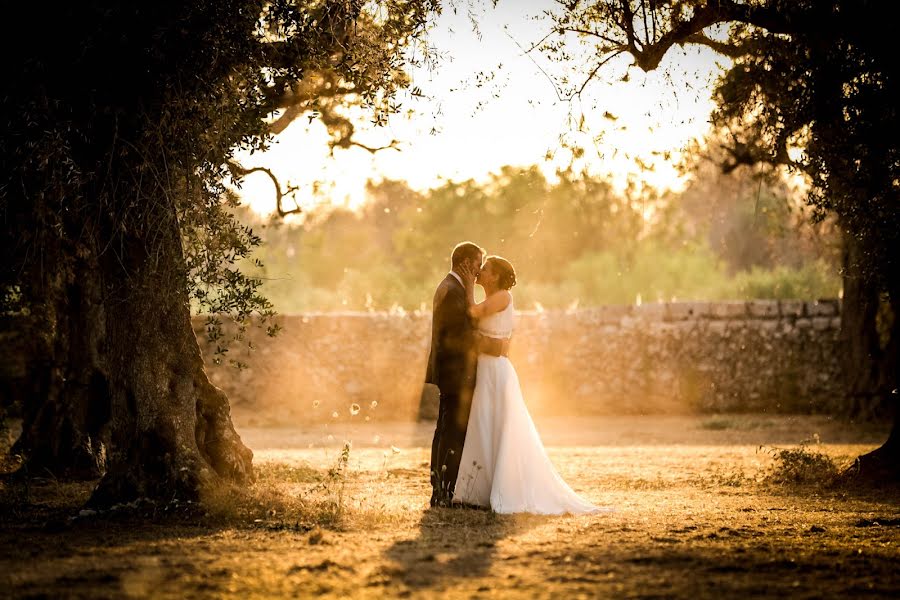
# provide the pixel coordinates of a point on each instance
(870, 330)
(883, 463)
(171, 429)
(67, 407)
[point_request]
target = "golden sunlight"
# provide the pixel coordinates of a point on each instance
(516, 299)
(488, 104)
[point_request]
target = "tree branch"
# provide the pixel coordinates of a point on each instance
(535, 63)
(751, 153)
(314, 86)
(593, 73)
(617, 45)
(774, 19)
(723, 48)
(239, 171)
(394, 145)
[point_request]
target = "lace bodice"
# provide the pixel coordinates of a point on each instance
(498, 325)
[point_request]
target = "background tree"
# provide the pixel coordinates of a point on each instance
(813, 86)
(120, 137)
(573, 238)
(754, 217)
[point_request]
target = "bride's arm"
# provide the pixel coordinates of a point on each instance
(492, 304)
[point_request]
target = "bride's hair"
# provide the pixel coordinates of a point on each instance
(506, 275)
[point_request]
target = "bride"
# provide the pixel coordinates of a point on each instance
(504, 464)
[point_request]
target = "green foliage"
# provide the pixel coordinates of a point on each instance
(652, 272)
(810, 281)
(808, 86)
(573, 241)
(825, 93)
(124, 130)
(215, 243)
(811, 86)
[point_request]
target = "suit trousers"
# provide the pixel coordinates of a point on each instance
(447, 446)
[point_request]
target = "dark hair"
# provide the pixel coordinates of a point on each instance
(464, 251)
(506, 275)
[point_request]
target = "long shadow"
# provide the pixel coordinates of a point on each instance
(452, 544)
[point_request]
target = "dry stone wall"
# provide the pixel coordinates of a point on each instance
(679, 357)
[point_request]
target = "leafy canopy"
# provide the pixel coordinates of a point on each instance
(813, 85)
(131, 118)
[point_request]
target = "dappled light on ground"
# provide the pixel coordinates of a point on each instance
(699, 513)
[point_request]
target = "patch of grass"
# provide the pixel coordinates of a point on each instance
(285, 473)
(717, 424)
(728, 478)
(641, 483)
(268, 504)
(740, 423)
(800, 466)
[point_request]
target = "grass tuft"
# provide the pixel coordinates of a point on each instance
(274, 502)
(800, 466)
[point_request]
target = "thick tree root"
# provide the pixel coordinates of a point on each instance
(218, 442)
(879, 467)
(180, 460)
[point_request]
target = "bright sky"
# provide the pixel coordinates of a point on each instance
(465, 128)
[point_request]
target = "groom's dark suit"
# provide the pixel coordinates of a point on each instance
(451, 367)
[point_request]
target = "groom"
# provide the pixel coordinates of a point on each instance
(455, 344)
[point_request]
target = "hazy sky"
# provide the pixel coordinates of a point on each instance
(469, 126)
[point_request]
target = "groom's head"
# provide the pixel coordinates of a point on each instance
(466, 253)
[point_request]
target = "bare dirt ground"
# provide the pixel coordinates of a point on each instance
(700, 512)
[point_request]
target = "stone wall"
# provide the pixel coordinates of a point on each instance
(678, 357)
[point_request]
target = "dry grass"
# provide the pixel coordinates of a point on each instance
(700, 518)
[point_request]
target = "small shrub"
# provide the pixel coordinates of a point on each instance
(800, 466)
(813, 280)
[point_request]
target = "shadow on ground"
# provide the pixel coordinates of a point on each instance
(453, 543)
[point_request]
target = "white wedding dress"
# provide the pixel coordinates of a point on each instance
(504, 464)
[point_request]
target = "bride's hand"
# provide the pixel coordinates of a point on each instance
(468, 274)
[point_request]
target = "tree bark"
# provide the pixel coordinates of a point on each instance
(881, 464)
(867, 376)
(171, 429)
(67, 407)
(870, 331)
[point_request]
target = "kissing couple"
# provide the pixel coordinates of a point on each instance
(486, 451)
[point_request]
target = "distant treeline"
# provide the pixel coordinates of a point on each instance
(574, 241)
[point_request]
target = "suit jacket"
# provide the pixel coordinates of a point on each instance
(453, 357)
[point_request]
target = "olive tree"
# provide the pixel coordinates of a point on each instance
(121, 124)
(812, 87)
